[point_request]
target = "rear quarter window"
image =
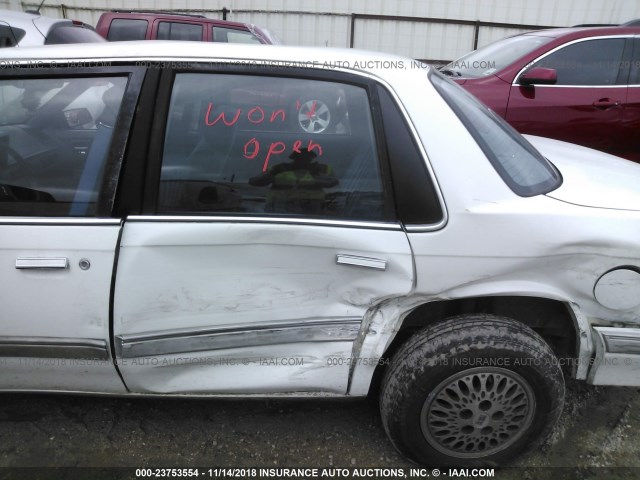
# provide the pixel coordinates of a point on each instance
(68, 33)
(9, 37)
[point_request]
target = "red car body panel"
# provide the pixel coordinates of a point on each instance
(154, 20)
(604, 117)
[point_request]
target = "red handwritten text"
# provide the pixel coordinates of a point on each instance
(255, 115)
(252, 150)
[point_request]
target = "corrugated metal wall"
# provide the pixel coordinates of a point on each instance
(417, 40)
(332, 22)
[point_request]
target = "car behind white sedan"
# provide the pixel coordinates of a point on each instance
(28, 29)
(190, 219)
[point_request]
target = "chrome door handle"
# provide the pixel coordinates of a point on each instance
(42, 263)
(368, 262)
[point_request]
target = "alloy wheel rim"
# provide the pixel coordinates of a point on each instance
(314, 116)
(478, 412)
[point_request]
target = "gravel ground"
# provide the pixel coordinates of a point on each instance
(600, 428)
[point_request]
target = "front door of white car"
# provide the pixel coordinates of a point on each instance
(57, 256)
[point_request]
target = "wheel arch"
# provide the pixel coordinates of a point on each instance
(439, 409)
(554, 320)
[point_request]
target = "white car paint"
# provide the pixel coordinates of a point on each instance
(67, 308)
(493, 243)
(234, 275)
(589, 175)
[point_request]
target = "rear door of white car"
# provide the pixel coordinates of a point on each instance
(268, 235)
(60, 153)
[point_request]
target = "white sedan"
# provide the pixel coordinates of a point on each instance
(191, 219)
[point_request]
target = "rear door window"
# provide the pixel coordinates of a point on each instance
(255, 145)
(179, 31)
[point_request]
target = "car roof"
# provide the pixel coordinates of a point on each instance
(16, 18)
(28, 20)
(172, 16)
(582, 32)
(380, 64)
(8, 15)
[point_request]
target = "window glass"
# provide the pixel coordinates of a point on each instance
(591, 62)
(179, 31)
(495, 56)
(10, 36)
(127, 29)
(232, 35)
(54, 140)
(520, 165)
(634, 78)
(69, 33)
(270, 145)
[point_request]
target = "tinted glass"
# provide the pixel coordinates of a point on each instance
(519, 164)
(232, 35)
(179, 31)
(495, 56)
(67, 33)
(127, 29)
(590, 62)
(9, 37)
(54, 140)
(634, 78)
(270, 145)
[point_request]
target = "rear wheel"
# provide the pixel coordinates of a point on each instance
(474, 390)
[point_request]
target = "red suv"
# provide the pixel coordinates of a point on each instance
(132, 25)
(580, 85)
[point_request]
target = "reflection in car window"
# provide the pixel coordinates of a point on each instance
(54, 140)
(589, 62)
(520, 165)
(179, 31)
(260, 145)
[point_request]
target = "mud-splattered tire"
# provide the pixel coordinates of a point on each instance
(474, 390)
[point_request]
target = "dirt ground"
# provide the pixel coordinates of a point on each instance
(600, 428)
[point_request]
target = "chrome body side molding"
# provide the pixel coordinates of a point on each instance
(150, 344)
(617, 360)
(51, 347)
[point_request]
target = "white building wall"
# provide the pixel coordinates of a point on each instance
(328, 22)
